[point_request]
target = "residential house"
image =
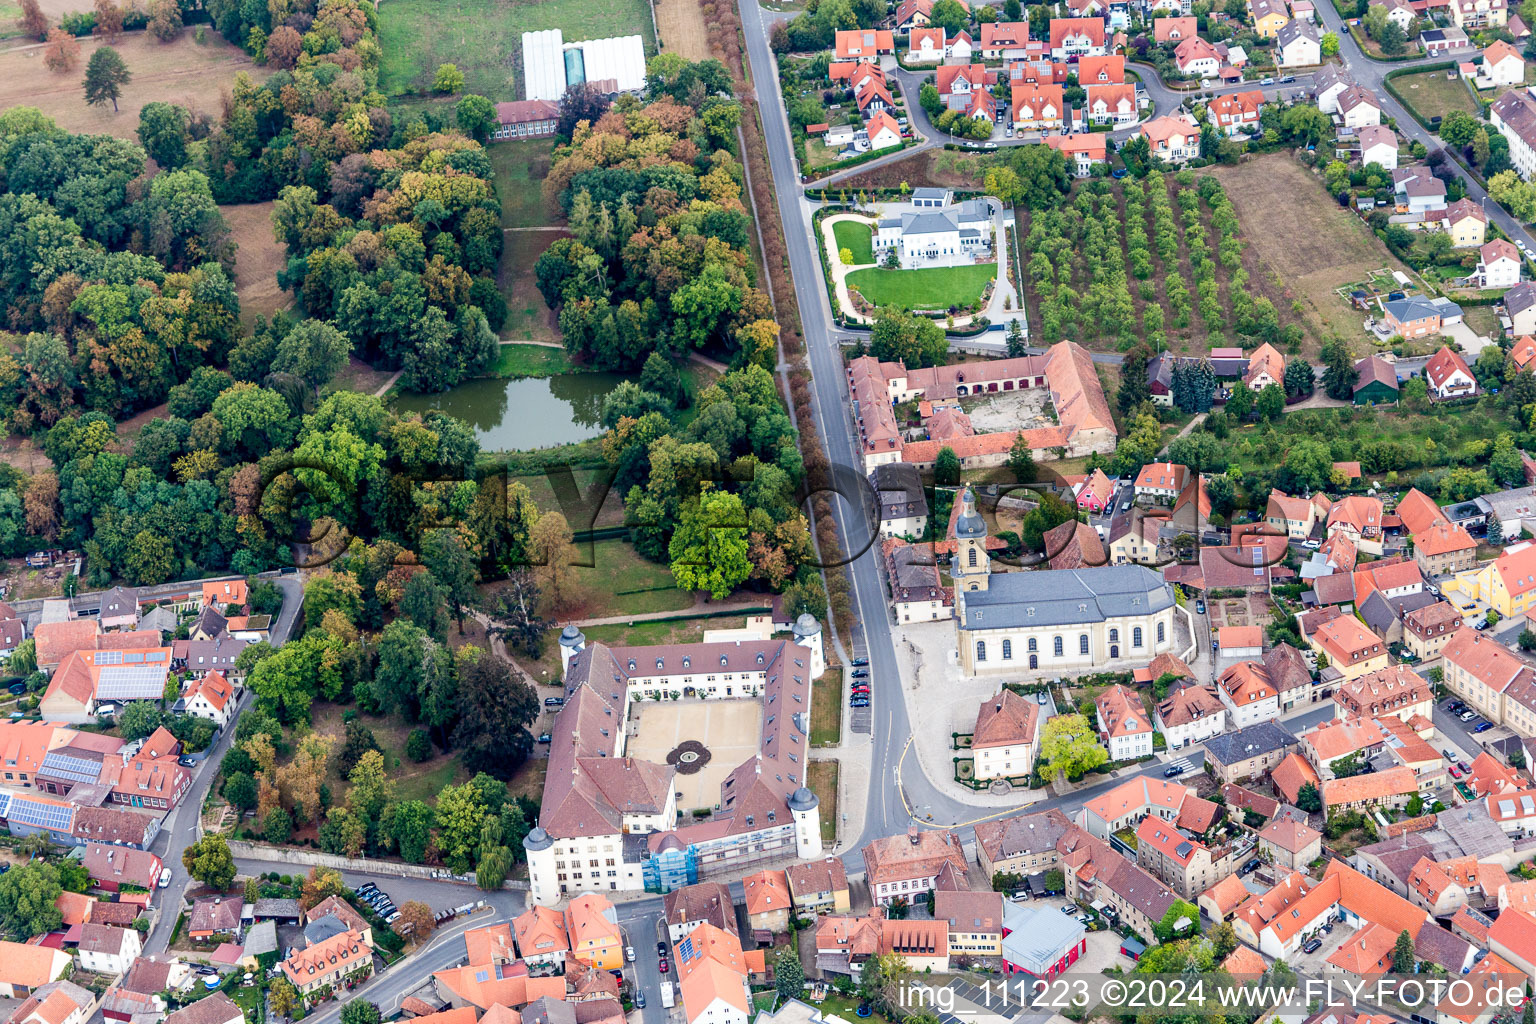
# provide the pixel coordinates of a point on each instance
(25, 967)
(913, 14)
(1196, 58)
(975, 919)
(1469, 15)
(1096, 493)
(1009, 40)
(1350, 648)
(1376, 383)
(1437, 42)
(1489, 677)
(1394, 691)
(1083, 152)
(959, 49)
(64, 1002)
(1298, 44)
(1128, 803)
(1391, 789)
(211, 697)
(1357, 106)
(1266, 366)
(217, 1008)
(1502, 64)
(1399, 12)
(1418, 191)
(541, 937)
(214, 915)
(1174, 30)
(325, 966)
(1412, 317)
(1295, 516)
(1269, 16)
(1003, 743)
(1109, 70)
(917, 593)
(1427, 630)
(905, 866)
(1161, 480)
(766, 895)
(1113, 104)
(864, 44)
(818, 887)
(1514, 115)
(1359, 517)
(1024, 844)
(687, 907)
(1522, 353)
(1124, 726)
(1328, 84)
(926, 46)
(119, 609)
(334, 910)
(1190, 714)
(1291, 844)
(1444, 549)
(593, 927)
(1037, 108)
(1378, 145)
(107, 949)
(1174, 140)
(882, 132)
(112, 867)
(1448, 375)
(1071, 37)
(1249, 695)
(1236, 113)
(224, 594)
(1519, 301)
(1176, 857)
(1248, 753)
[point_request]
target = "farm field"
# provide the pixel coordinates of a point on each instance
(930, 288)
(183, 71)
(1311, 243)
(485, 38)
(1165, 259)
(1433, 95)
(682, 29)
(258, 258)
(856, 238)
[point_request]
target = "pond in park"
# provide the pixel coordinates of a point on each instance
(526, 412)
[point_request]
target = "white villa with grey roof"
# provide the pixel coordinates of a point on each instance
(1053, 619)
(929, 235)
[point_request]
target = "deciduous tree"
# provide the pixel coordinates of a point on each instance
(105, 76)
(62, 54)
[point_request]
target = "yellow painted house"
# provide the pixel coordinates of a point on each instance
(593, 926)
(1349, 647)
(1507, 584)
(1268, 16)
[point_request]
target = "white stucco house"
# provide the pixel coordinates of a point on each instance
(949, 236)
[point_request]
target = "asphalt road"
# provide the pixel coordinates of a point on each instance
(180, 828)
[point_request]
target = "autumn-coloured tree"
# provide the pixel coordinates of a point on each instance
(42, 503)
(321, 883)
(283, 47)
(109, 20)
(549, 544)
(32, 21)
(416, 920)
(165, 20)
(62, 54)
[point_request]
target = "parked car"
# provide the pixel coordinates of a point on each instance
(862, 702)
(661, 949)
(393, 917)
(1464, 767)
(1312, 545)
(554, 702)
(1251, 866)
(366, 888)
(1467, 716)
(860, 661)
(187, 762)
(1200, 606)
(1041, 695)
(545, 737)
(1449, 755)
(860, 673)
(1313, 945)
(1288, 79)
(165, 878)
(1267, 81)
(662, 967)
(639, 1000)
(1455, 772)
(629, 953)
(1483, 727)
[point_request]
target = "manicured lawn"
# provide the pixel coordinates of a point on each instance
(929, 288)
(528, 318)
(1433, 95)
(485, 38)
(855, 237)
(658, 631)
(821, 777)
(620, 582)
(520, 167)
(531, 361)
(827, 709)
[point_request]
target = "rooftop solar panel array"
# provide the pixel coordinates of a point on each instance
(131, 682)
(26, 811)
(67, 766)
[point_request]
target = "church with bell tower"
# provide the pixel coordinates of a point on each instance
(1055, 620)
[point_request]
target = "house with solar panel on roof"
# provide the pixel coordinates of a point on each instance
(88, 683)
